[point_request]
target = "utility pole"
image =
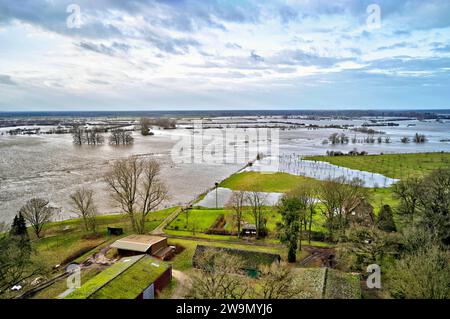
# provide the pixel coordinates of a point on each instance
(217, 185)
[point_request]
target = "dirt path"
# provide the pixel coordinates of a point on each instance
(160, 229)
(183, 286)
(323, 255)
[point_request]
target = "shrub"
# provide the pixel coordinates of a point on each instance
(385, 220)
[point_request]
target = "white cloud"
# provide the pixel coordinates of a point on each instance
(190, 53)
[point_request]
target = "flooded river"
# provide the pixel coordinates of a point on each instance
(50, 166)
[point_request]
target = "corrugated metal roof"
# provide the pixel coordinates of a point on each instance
(139, 243)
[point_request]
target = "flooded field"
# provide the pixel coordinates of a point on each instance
(51, 166)
(321, 170)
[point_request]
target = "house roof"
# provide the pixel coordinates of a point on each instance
(126, 279)
(139, 243)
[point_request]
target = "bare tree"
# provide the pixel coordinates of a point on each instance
(121, 137)
(277, 282)
(257, 202)
(339, 198)
(136, 187)
(236, 203)
(334, 138)
(165, 123)
(307, 196)
(218, 277)
(145, 126)
(419, 138)
(152, 191)
(78, 135)
(37, 212)
(94, 137)
(408, 191)
(83, 202)
(405, 139)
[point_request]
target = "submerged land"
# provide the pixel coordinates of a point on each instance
(40, 159)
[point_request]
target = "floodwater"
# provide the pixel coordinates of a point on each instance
(319, 170)
(50, 166)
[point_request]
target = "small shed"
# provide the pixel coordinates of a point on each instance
(138, 244)
(136, 277)
(249, 230)
(116, 231)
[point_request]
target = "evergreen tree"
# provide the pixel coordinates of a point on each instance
(19, 233)
(385, 219)
(19, 227)
(289, 208)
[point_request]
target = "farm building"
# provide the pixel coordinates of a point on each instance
(252, 259)
(138, 244)
(136, 277)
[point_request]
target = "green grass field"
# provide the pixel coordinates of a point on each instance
(198, 221)
(266, 182)
(391, 165)
(282, 182)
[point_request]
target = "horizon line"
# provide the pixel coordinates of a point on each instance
(233, 110)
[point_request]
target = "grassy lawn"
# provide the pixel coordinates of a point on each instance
(391, 165)
(286, 182)
(266, 182)
(60, 286)
(66, 240)
(198, 221)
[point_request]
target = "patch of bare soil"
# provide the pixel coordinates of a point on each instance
(184, 284)
(319, 257)
(99, 258)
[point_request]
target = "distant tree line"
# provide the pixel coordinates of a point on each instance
(82, 136)
(147, 123)
(342, 138)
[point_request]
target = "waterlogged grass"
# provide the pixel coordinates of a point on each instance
(266, 182)
(391, 165)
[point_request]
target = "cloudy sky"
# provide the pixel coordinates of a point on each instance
(218, 54)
